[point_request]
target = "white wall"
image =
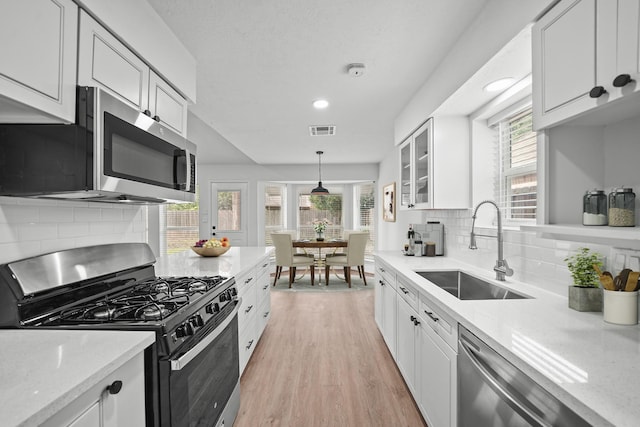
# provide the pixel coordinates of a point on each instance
(30, 227)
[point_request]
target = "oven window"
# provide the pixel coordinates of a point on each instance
(200, 390)
(134, 154)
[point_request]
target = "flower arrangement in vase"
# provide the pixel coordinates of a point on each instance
(319, 225)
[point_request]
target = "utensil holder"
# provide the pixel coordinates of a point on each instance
(620, 308)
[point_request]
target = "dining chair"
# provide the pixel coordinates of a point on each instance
(286, 257)
(354, 256)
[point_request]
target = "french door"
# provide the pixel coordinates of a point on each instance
(229, 203)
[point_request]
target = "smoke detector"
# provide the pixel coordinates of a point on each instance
(355, 70)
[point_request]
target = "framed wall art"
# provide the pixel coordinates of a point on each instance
(389, 202)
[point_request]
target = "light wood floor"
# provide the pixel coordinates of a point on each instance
(323, 362)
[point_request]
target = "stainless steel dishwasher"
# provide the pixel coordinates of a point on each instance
(492, 392)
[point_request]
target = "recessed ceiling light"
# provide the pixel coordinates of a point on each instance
(499, 84)
(320, 104)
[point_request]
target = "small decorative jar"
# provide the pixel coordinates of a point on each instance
(622, 208)
(594, 208)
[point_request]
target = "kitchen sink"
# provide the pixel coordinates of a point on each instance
(466, 287)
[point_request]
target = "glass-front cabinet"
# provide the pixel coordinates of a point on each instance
(415, 169)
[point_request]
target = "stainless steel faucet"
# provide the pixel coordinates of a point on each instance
(501, 268)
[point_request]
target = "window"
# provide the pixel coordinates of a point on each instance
(516, 178)
(274, 203)
(181, 228)
(365, 212)
(312, 208)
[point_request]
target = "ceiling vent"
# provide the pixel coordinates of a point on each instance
(324, 130)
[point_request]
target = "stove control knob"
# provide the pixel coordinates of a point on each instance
(197, 321)
(189, 329)
(223, 297)
(181, 332)
(233, 291)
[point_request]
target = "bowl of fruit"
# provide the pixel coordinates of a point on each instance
(211, 247)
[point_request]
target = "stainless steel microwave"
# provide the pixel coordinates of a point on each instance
(113, 153)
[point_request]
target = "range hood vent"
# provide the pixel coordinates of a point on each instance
(322, 130)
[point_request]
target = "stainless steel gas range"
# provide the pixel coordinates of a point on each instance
(191, 373)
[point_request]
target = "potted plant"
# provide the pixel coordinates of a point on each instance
(585, 293)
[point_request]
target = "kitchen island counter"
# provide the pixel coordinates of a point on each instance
(43, 371)
(588, 364)
(235, 262)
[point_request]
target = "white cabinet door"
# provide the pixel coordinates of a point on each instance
(582, 52)
(434, 165)
(437, 379)
(166, 105)
(105, 62)
(116, 407)
(406, 343)
(38, 60)
(389, 297)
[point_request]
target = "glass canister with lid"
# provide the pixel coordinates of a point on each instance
(622, 207)
(594, 208)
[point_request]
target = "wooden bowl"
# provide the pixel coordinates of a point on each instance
(210, 251)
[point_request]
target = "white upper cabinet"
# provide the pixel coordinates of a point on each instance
(167, 105)
(434, 165)
(105, 62)
(585, 55)
(38, 65)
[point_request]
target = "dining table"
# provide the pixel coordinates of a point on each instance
(319, 245)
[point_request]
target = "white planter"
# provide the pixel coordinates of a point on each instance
(620, 307)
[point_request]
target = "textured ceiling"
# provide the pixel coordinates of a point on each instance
(262, 63)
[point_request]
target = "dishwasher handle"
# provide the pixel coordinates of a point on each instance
(519, 407)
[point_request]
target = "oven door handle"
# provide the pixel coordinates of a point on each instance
(183, 360)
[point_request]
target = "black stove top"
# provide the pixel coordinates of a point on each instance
(149, 300)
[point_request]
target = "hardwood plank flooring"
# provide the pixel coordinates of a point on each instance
(322, 362)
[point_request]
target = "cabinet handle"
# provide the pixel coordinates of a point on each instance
(597, 92)
(115, 387)
(381, 282)
(156, 118)
(147, 113)
(248, 309)
(248, 280)
(266, 314)
(430, 314)
(249, 345)
(622, 80)
(410, 205)
(404, 290)
(415, 320)
(264, 288)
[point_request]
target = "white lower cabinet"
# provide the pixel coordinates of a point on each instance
(437, 378)
(385, 303)
(255, 309)
(407, 337)
(117, 400)
(425, 341)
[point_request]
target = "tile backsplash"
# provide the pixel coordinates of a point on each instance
(30, 227)
(535, 260)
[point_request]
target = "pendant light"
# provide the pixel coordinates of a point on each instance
(319, 190)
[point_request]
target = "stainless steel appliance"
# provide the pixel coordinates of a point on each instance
(113, 153)
(493, 392)
(191, 373)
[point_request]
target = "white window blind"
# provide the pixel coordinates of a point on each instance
(515, 185)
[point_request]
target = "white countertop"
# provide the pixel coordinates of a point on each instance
(42, 371)
(233, 263)
(590, 365)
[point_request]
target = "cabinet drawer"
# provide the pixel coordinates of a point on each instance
(246, 281)
(264, 265)
(408, 292)
(247, 309)
(386, 274)
(445, 326)
(247, 342)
